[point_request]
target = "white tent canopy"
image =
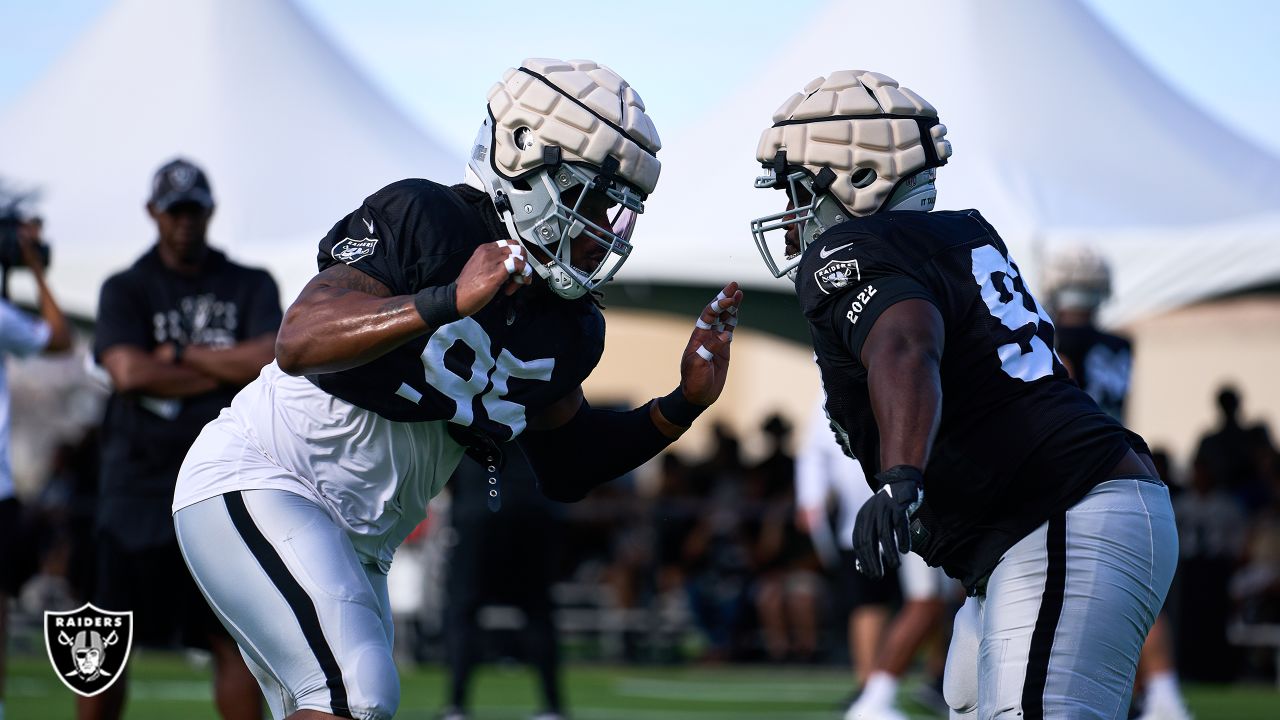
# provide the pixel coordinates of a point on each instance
(291, 135)
(1060, 135)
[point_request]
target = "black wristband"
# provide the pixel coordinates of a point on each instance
(675, 407)
(438, 305)
(901, 473)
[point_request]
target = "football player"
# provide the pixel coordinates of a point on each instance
(1078, 282)
(941, 378)
(443, 320)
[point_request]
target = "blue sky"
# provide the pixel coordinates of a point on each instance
(1221, 55)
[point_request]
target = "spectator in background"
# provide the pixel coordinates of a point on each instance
(787, 586)
(179, 333)
(1255, 587)
(504, 557)
(676, 511)
(1211, 531)
(823, 472)
(20, 335)
(775, 473)
(1235, 455)
(717, 553)
(882, 650)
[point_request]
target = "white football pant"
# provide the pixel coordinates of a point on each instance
(312, 621)
(1065, 613)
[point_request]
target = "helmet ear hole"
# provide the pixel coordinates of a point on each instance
(523, 138)
(862, 177)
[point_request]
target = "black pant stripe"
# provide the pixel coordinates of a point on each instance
(1055, 585)
(304, 608)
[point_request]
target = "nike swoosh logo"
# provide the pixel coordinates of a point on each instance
(369, 224)
(825, 253)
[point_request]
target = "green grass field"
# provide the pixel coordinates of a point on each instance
(165, 687)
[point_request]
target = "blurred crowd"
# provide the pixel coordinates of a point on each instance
(715, 567)
(718, 550)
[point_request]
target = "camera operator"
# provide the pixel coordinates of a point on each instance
(20, 335)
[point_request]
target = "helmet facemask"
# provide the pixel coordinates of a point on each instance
(562, 202)
(810, 214)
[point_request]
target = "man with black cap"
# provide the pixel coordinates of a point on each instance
(179, 333)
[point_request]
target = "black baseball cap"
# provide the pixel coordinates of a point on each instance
(180, 181)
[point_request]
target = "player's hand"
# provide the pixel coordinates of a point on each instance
(883, 529)
(494, 266)
(705, 363)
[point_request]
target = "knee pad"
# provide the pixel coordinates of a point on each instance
(960, 680)
(373, 684)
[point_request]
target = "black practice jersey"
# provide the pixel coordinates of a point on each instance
(486, 371)
(1018, 440)
(1100, 363)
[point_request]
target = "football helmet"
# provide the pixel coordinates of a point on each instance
(557, 133)
(1077, 278)
(850, 144)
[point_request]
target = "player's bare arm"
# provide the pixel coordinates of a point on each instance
(344, 318)
(136, 371)
(902, 354)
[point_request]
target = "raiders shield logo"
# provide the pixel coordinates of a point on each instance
(88, 647)
(837, 275)
(350, 250)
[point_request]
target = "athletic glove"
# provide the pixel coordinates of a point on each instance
(883, 529)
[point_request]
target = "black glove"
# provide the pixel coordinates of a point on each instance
(883, 529)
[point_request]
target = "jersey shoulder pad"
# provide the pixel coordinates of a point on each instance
(842, 258)
(408, 235)
(422, 212)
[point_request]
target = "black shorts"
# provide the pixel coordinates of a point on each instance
(153, 582)
(862, 590)
(18, 552)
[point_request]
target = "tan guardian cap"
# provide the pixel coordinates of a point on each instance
(865, 129)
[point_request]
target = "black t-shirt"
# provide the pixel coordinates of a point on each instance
(1100, 363)
(1018, 441)
(144, 439)
(486, 371)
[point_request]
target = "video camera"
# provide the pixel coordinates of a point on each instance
(10, 250)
